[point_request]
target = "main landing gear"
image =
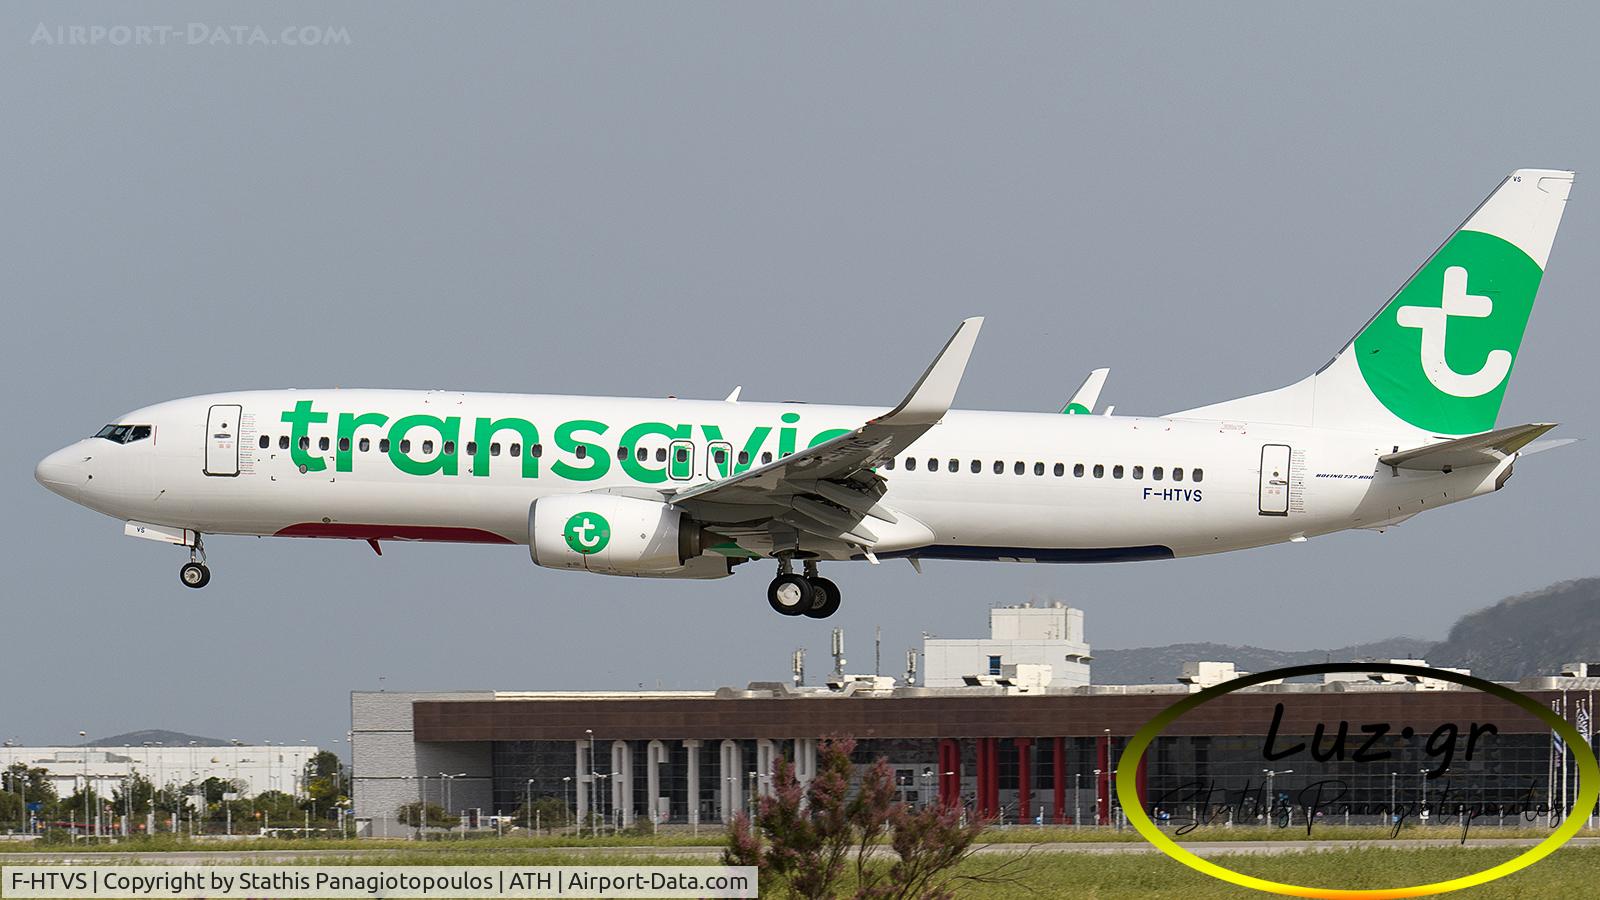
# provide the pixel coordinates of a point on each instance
(807, 595)
(195, 573)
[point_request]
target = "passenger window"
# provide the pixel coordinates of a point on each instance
(955, 465)
(661, 454)
(1019, 467)
(1156, 473)
(681, 455)
(889, 464)
(1099, 471)
(494, 448)
(582, 452)
(1060, 470)
(641, 454)
(1077, 471)
(322, 443)
(743, 458)
(427, 446)
(766, 457)
(516, 449)
(911, 464)
(405, 445)
(265, 442)
(1116, 471)
(344, 445)
(1177, 473)
(999, 467)
(720, 456)
(283, 442)
(535, 450)
(1138, 473)
(472, 448)
(976, 467)
(449, 448)
(305, 443)
(365, 445)
(1038, 468)
(933, 464)
(383, 445)
(622, 453)
(1198, 475)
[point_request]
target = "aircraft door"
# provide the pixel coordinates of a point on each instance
(222, 440)
(1275, 480)
(719, 460)
(680, 462)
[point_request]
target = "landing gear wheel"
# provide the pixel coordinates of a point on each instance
(194, 575)
(826, 600)
(790, 595)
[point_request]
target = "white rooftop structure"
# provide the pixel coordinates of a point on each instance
(254, 769)
(1029, 648)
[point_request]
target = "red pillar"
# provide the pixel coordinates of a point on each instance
(988, 777)
(1024, 779)
(949, 772)
(1060, 811)
(1102, 788)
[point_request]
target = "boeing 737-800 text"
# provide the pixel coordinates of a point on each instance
(1401, 420)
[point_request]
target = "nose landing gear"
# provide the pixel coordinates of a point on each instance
(195, 573)
(807, 595)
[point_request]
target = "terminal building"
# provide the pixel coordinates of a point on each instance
(1004, 741)
(252, 769)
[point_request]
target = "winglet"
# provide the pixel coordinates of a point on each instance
(936, 389)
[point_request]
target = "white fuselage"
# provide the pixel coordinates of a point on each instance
(464, 483)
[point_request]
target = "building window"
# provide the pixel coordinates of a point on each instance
(994, 665)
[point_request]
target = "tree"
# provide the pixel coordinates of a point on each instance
(134, 796)
(435, 816)
(546, 812)
(36, 787)
(805, 835)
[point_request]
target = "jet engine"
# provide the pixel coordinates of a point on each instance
(616, 535)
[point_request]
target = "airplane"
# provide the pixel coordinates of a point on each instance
(1087, 394)
(1401, 420)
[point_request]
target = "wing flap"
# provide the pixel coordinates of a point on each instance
(1473, 450)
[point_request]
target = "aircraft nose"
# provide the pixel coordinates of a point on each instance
(62, 472)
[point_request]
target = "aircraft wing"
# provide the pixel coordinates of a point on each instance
(827, 490)
(1473, 450)
(1088, 394)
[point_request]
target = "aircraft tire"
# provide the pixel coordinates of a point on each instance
(827, 599)
(194, 575)
(790, 595)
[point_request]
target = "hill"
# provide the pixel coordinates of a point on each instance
(1528, 634)
(155, 736)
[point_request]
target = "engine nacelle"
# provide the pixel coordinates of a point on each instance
(616, 535)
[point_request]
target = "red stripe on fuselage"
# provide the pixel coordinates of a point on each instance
(393, 533)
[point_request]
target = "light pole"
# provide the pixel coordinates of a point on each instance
(592, 769)
(927, 774)
(1422, 794)
(1077, 788)
(1272, 798)
(447, 780)
(1097, 815)
(85, 742)
(566, 797)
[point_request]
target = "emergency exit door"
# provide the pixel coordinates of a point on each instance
(222, 440)
(1275, 480)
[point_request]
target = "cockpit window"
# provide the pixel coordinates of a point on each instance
(124, 434)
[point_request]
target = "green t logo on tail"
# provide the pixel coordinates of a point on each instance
(587, 533)
(1439, 355)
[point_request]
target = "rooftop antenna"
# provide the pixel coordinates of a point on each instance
(877, 650)
(838, 653)
(911, 666)
(799, 661)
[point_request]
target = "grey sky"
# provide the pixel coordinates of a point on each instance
(646, 199)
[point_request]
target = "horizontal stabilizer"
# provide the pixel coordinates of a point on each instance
(1473, 450)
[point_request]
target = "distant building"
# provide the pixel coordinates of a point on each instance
(254, 769)
(1028, 647)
